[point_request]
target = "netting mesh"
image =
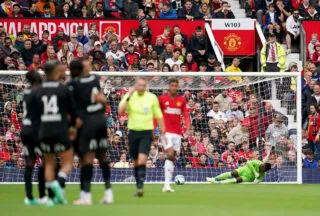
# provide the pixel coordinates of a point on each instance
(234, 119)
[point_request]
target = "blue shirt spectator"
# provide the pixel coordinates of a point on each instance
(309, 161)
(168, 12)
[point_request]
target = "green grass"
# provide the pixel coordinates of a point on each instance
(195, 200)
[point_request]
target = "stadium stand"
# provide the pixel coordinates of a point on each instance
(215, 140)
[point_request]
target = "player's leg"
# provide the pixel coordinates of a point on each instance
(86, 176)
(66, 158)
(224, 176)
(232, 179)
(134, 142)
(43, 199)
(51, 183)
(29, 163)
(144, 149)
(106, 173)
(172, 146)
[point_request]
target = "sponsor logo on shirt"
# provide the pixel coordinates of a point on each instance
(170, 110)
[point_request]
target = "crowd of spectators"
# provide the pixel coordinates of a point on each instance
(225, 123)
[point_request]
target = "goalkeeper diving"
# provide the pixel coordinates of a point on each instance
(253, 171)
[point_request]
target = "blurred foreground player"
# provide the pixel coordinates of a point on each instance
(254, 172)
(56, 110)
(90, 105)
(173, 106)
(141, 106)
(29, 137)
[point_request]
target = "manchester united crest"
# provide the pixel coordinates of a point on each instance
(232, 42)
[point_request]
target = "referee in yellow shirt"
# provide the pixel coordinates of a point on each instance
(142, 106)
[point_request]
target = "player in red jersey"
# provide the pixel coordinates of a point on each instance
(172, 106)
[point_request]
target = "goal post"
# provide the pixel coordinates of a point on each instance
(272, 95)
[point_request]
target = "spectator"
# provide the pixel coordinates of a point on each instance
(178, 5)
(226, 12)
(190, 63)
(32, 11)
(168, 12)
(81, 37)
(154, 60)
(27, 52)
(312, 13)
(315, 97)
(37, 44)
(175, 58)
(309, 161)
(166, 54)
(205, 11)
(260, 7)
(76, 8)
(16, 12)
(245, 151)
(122, 163)
(149, 164)
(216, 114)
(73, 44)
(130, 9)
(36, 64)
(93, 37)
(96, 164)
(293, 29)
(6, 49)
(65, 52)
(284, 11)
(161, 160)
(75, 163)
(275, 130)
(153, 154)
(40, 6)
(20, 163)
(272, 20)
(231, 151)
(7, 7)
(304, 7)
(165, 36)
(59, 39)
(188, 12)
(199, 123)
(144, 30)
(202, 163)
(239, 133)
(213, 158)
(312, 126)
(273, 57)
(199, 45)
(131, 38)
(316, 55)
(230, 163)
(224, 100)
(312, 45)
(19, 43)
(177, 31)
(291, 161)
(255, 128)
(130, 56)
(47, 12)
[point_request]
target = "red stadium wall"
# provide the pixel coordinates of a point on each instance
(311, 27)
(121, 27)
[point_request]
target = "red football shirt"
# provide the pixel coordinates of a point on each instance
(172, 109)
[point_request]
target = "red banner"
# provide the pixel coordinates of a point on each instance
(120, 27)
(235, 36)
(311, 27)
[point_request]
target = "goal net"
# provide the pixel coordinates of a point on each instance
(235, 117)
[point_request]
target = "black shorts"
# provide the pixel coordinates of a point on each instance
(75, 143)
(31, 145)
(297, 40)
(139, 142)
(93, 134)
(55, 144)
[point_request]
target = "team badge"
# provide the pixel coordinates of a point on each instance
(232, 42)
(179, 104)
(167, 103)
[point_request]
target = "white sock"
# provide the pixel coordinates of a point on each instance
(168, 172)
(107, 191)
(87, 196)
(82, 194)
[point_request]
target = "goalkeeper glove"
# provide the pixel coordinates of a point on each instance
(256, 175)
(256, 181)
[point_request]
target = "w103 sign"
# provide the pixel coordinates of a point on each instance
(235, 36)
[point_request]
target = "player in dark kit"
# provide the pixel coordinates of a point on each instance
(57, 112)
(29, 137)
(90, 105)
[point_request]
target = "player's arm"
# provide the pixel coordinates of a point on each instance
(186, 115)
(259, 179)
(157, 113)
(250, 165)
(100, 96)
(124, 102)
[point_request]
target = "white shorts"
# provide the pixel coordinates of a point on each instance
(173, 141)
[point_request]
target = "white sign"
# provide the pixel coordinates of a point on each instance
(232, 24)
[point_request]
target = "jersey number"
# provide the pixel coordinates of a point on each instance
(50, 104)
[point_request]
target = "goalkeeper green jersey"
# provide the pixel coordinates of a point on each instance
(247, 173)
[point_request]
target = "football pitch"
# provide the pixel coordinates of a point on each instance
(195, 200)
